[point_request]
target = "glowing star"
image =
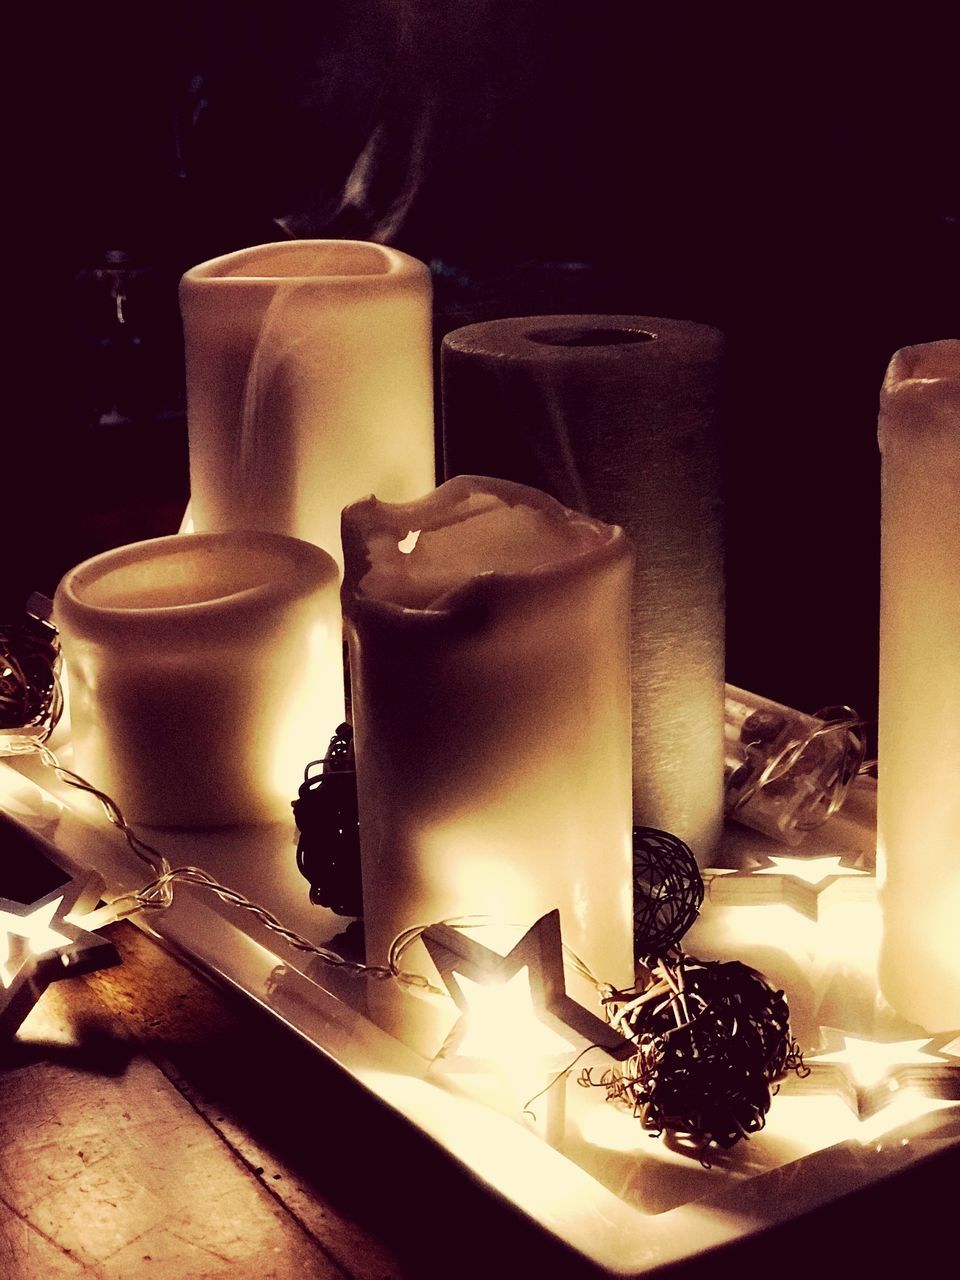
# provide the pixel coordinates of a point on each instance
(511, 1000)
(32, 929)
(501, 1023)
(811, 870)
(40, 945)
(797, 882)
(870, 1074)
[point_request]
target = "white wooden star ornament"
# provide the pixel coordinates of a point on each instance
(803, 883)
(39, 944)
(469, 970)
(870, 1074)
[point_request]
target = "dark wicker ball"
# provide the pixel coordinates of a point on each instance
(31, 699)
(704, 1068)
(328, 851)
(667, 891)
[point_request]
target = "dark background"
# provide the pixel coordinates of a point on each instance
(789, 176)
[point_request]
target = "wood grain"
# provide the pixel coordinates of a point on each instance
(252, 1083)
(153, 1124)
(106, 1166)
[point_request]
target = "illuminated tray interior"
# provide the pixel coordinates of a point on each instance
(607, 1188)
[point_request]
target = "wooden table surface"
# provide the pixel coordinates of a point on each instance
(154, 1125)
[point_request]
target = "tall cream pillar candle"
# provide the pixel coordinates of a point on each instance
(488, 634)
(309, 385)
(205, 672)
(918, 800)
(615, 416)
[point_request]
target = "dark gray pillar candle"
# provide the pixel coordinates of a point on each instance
(615, 416)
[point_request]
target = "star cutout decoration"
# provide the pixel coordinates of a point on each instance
(869, 1074)
(39, 945)
(466, 965)
(798, 882)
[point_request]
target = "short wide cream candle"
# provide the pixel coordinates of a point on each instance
(919, 742)
(488, 628)
(309, 385)
(205, 672)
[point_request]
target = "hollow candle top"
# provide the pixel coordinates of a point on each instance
(194, 589)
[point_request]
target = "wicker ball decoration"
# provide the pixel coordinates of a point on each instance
(328, 851)
(667, 891)
(31, 698)
(712, 1038)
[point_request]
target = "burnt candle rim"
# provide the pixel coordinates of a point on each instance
(612, 545)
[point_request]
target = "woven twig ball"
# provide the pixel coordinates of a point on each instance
(328, 852)
(667, 891)
(712, 1038)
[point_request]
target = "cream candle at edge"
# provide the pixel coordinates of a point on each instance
(488, 629)
(919, 724)
(309, 384)
(205, 671)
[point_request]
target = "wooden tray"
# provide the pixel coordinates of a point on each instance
(625, 1201)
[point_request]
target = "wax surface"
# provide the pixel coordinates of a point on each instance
(614, 416)
(919, 731)
(309, 385)
(205, 672)
(490, 677)
(483, 536)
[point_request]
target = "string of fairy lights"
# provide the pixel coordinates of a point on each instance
(158, 893)
(31, 693)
